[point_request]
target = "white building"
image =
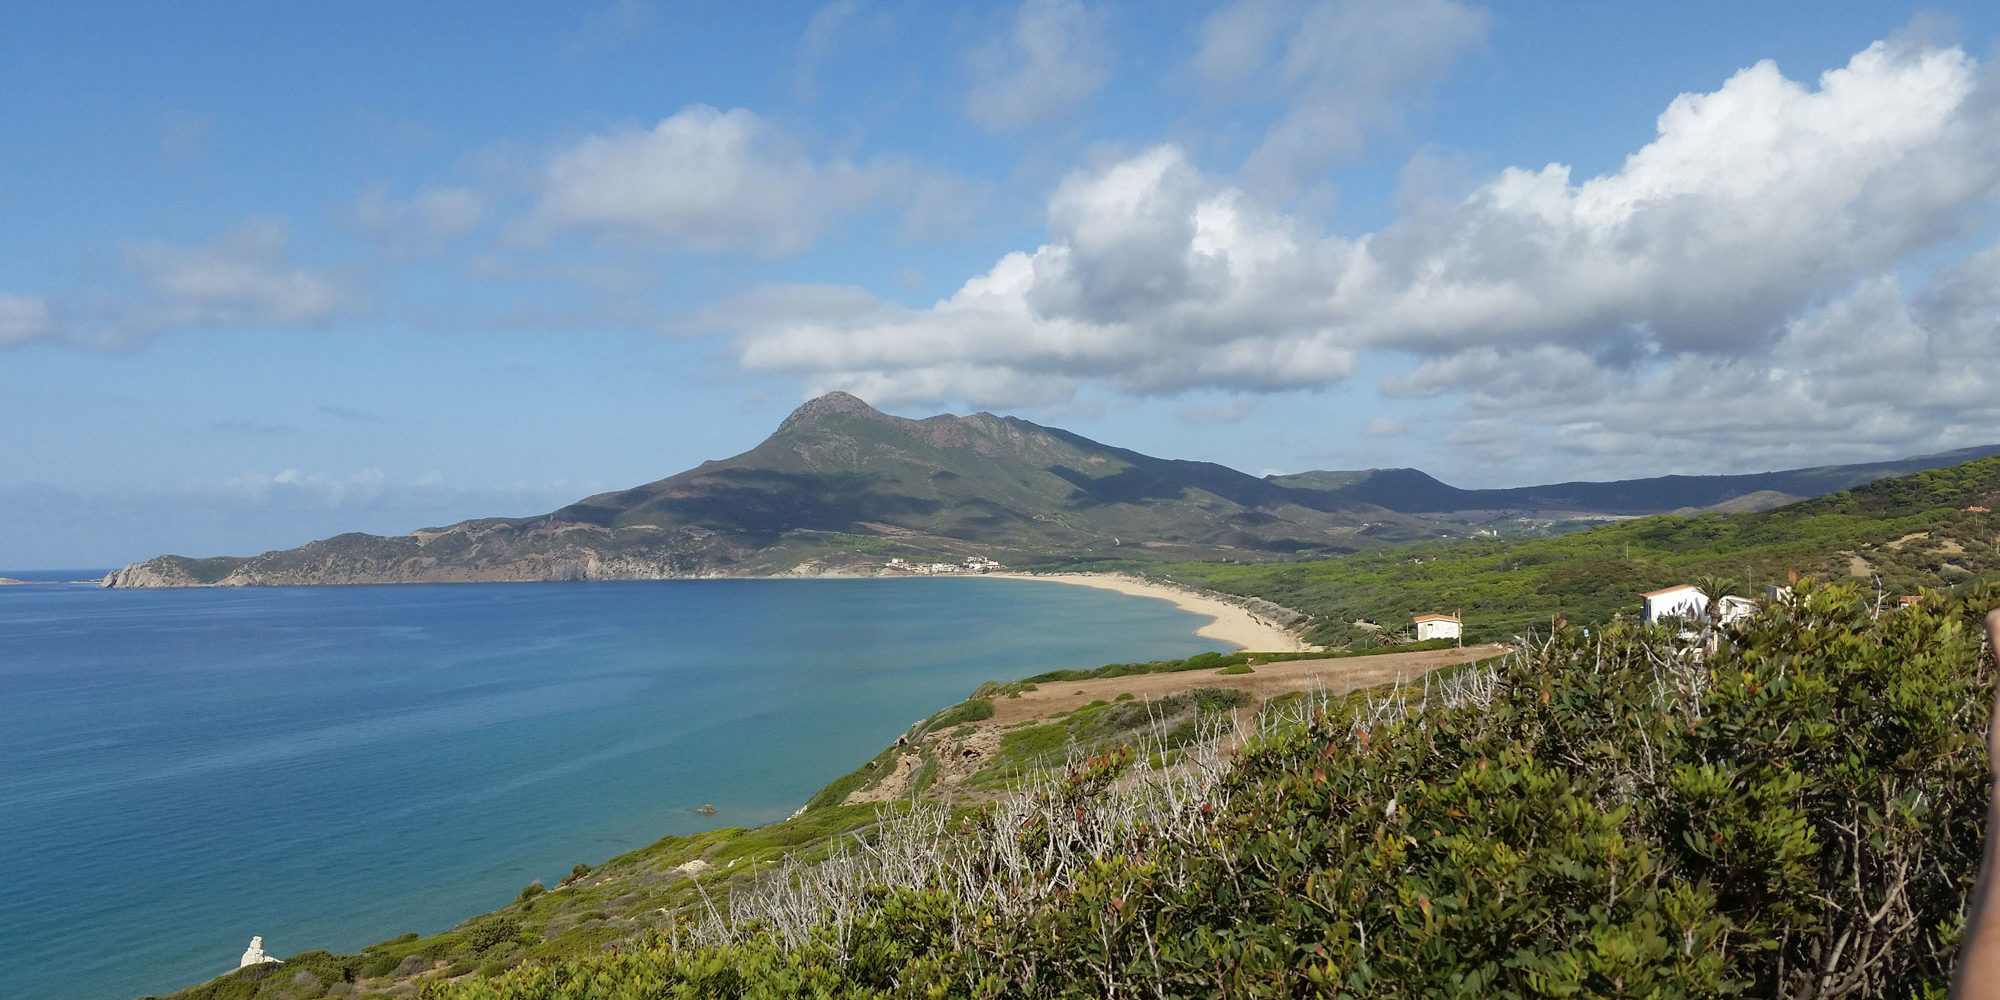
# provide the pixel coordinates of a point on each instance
(1437, 627)
(1683, 601)
(1733, 608)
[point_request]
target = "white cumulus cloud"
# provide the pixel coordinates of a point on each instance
(1707, 260)
(1154, 280)
(712, 181)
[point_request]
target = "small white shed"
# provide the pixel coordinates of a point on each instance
(1437, 627)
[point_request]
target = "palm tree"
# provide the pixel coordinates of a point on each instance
(1715, 588)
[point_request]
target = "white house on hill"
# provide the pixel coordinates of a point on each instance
(1734, 609)
(1436, 627)
(1683, 601)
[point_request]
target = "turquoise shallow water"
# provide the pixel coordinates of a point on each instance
(329, 767)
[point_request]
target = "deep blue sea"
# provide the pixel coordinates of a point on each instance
(330, 767)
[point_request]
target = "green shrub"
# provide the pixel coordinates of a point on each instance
(969, 710)
(1034, 741)
(529, 891)
(495, 967)
(1236, 669)
(489, 931)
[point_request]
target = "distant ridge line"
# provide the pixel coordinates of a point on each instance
(1411, 491)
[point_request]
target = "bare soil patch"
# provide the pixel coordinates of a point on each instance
(1269, 680)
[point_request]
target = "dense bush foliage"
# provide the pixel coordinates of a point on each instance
(969, 710)
(1797, 814)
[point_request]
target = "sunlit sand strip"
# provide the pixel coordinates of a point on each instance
(1232, 624)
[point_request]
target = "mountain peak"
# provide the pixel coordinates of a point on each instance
(832, 404)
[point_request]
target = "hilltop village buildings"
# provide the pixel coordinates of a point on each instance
(970, 564)
(1685, 601)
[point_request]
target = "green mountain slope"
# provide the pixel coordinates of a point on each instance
(1413, 492)
(841, 485)
(838, 465)
(1909, 532)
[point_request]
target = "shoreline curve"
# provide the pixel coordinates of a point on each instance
(1228, 623)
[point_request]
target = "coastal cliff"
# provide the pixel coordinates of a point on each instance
(493, 553)
(161, 573)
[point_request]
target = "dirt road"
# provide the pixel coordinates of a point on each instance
(1270, 679)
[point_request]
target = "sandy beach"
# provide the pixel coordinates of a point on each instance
(1232, 624)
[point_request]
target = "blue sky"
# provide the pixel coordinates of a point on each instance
(274, 271)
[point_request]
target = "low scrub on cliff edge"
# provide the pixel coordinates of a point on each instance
(1797, 815)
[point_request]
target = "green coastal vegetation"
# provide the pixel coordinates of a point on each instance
(1798, 814)
(1909, 533)
(620, 902)
(1789, 805)
(1599, 816)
